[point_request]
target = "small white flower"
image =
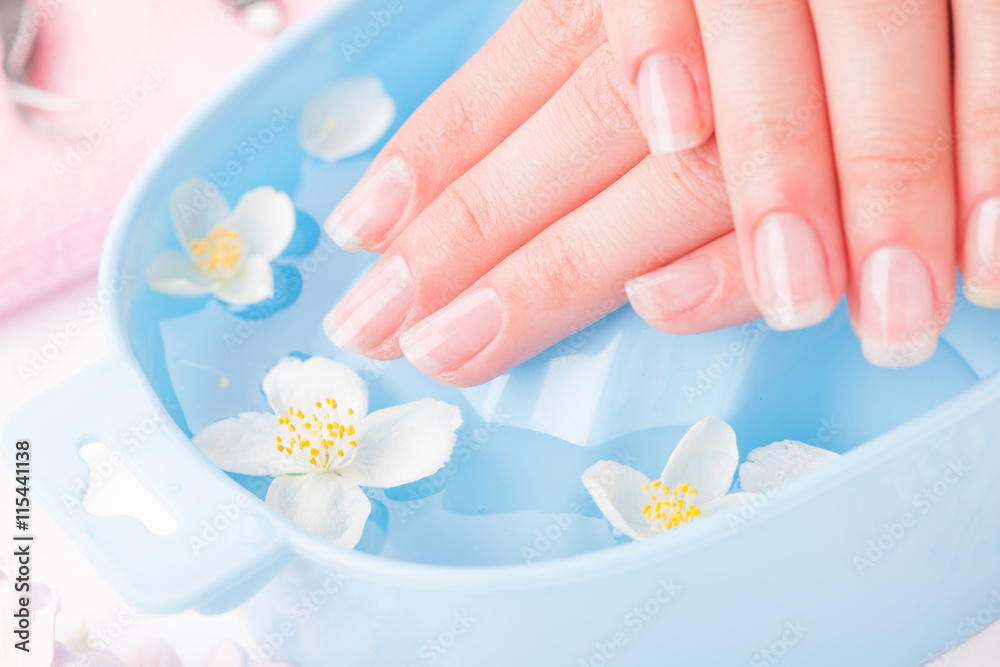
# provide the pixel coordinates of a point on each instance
(694, 482)
(346, 118)
(225, 253)
(773, 465)
(322, 446)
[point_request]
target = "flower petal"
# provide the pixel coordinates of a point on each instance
(706, 458)
(246, 445)
(617, 490)
(325, 504)
(265, 220)
(254, 283)
(154, 653)
(346, 118)
(298, 384)
(773, 465)
(173, 272)
(402, 444)
(196, 206)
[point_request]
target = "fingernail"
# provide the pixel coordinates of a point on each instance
(374, 309)
(455, 334)
(981, 277)
(370, 211)
(674, 289)
(792, 273)
(669, 105)
(898, 327)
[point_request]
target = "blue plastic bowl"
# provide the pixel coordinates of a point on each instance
(880, 558)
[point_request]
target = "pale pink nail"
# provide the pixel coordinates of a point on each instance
(982, 255)
(370, 211)
(673, 290)
(792, 273)
(455, 334)
(669, 105)
(898, 327)
(374, 309)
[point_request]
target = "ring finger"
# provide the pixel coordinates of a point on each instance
(889, 87)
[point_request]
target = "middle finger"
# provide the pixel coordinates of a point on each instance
(577, 144)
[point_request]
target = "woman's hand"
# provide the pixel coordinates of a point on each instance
(834, 125)
(515, 203)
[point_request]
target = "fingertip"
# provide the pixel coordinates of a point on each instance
(696, 294)
(453, 337)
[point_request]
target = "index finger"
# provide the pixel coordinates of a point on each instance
(508, 80)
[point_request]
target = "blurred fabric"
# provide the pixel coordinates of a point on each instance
(140, 66)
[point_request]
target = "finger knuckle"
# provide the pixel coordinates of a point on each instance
(886, 156)
(691, 180)
(465, 223)
(597, 89)
(558, 267)
(563, 27)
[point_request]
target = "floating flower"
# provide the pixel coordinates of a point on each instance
(225, 253)
(696, 479)
(322, 446)
(346, 118)
(771, 466)
(694, 483)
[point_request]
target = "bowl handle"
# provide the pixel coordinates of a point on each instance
(227, 544)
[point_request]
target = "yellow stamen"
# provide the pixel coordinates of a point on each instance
(218, 253)
(670, 508)
(327, 430)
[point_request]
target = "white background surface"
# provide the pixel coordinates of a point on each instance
(89, 603)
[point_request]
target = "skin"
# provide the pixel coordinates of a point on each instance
(810, 151)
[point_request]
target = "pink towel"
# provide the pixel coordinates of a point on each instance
(140, 66)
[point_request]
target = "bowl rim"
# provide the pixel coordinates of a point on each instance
(592, 565)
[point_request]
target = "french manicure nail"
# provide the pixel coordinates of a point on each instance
(374, 309)
(981, 277)
(370, 211)
(669, 105)
(897, 325)
(792, 273)
(675, 289)
(455, 334)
